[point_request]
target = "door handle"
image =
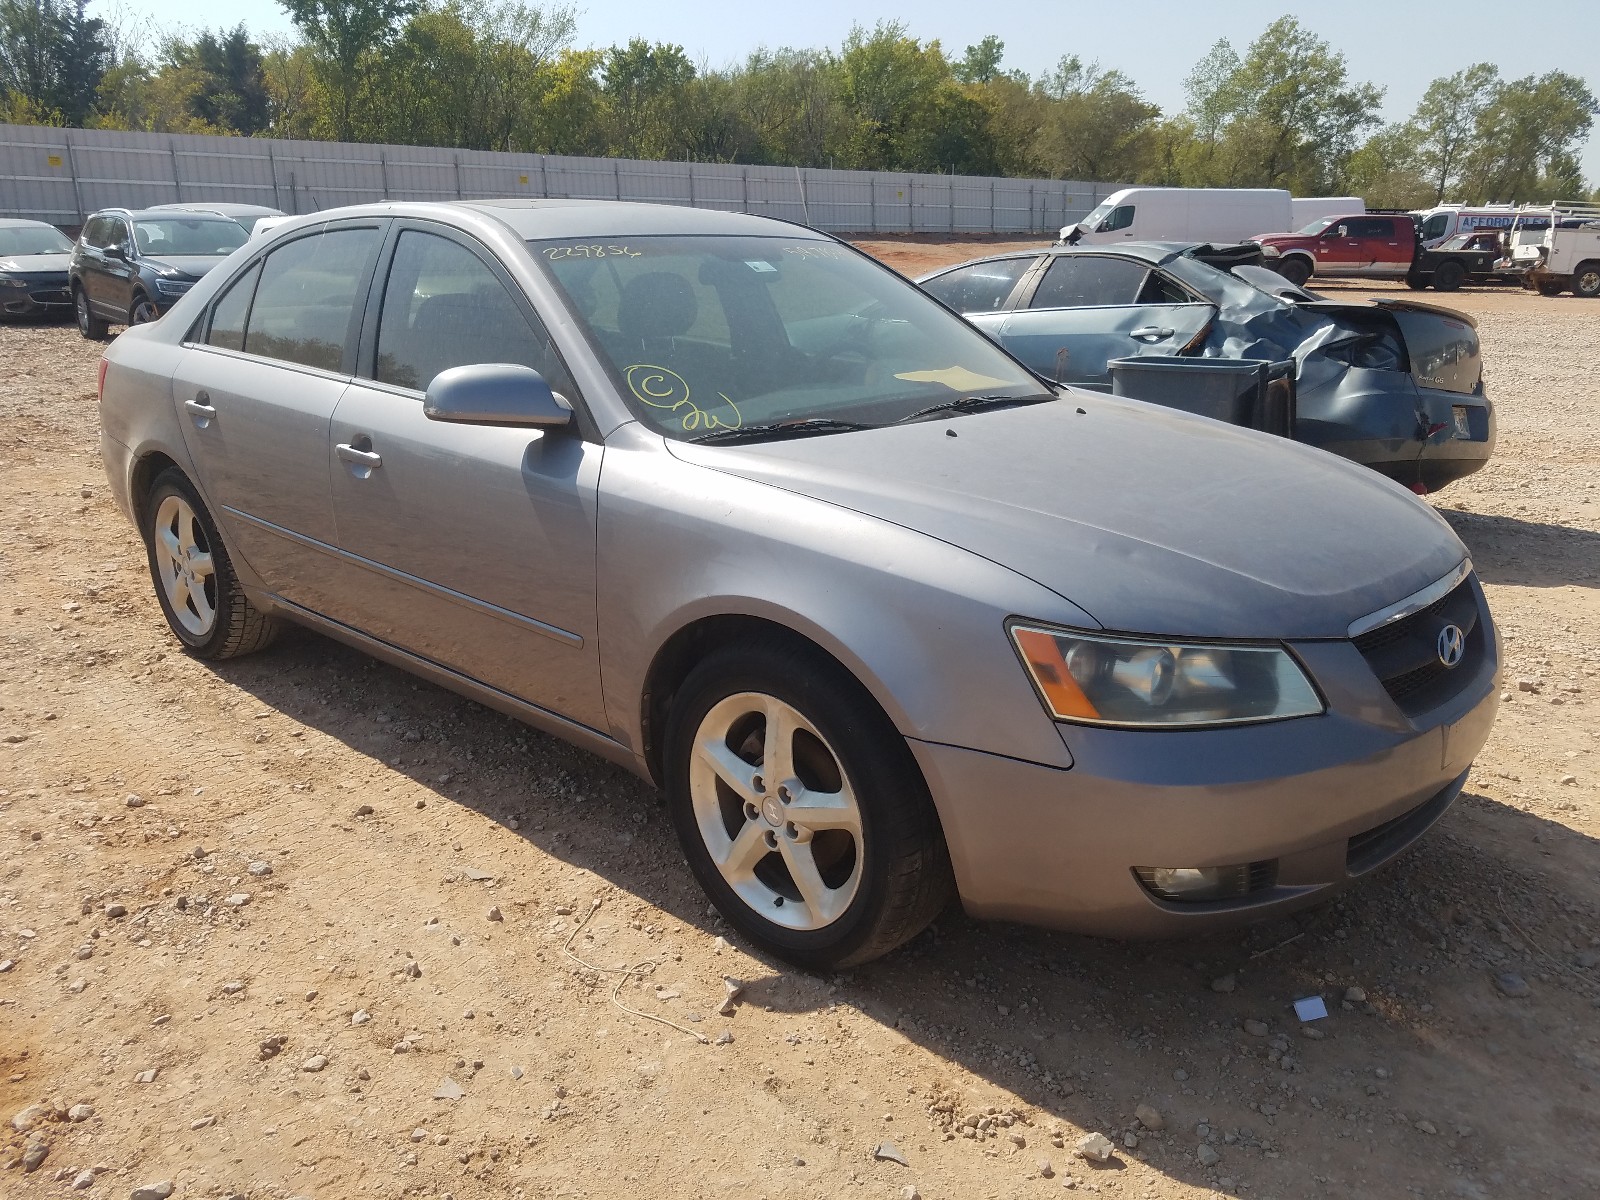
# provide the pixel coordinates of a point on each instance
(363, 458)
(1151, 333)
(200, 409)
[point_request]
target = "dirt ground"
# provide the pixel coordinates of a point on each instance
(300, 925)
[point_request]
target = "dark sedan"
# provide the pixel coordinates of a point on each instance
(33, 269)
(1393, 384)
(130, 266)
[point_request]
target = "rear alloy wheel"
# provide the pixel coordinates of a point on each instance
(799, 807)
(195, 584)
(1449, 276)
(89, 325)
(1586, 280)
(143, 310)
(1295, 269)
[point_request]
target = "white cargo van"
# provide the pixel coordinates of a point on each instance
(1150, 214)
(1303, 210)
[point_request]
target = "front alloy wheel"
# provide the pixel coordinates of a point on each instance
(143, 311)
(799, 806)
(776, 812)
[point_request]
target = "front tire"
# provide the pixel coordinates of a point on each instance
(799, 807)
(1295, 269)
(1586, 280)
(142, 311)
(195, 584)
(90, 326)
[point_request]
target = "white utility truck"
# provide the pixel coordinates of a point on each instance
(1568, 257)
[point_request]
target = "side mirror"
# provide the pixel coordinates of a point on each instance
(495, 394)
(118, 252)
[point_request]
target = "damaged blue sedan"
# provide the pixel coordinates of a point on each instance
(1393, 384)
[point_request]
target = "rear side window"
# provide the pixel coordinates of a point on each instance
(305, 300)
(443, 307)
(1088, 281)
(1371, 227)
(229, 316)
(982, 287)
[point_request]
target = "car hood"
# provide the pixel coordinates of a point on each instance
(33, 264)
(1151, 520)
(192, 265)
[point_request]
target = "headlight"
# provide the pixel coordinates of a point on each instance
(1094, 680)
(1270, 252)
(173, 287)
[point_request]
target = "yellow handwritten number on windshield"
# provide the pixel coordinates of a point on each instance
(661, 387)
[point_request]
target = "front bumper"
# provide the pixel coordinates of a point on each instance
(1324, 799)
(42, 297)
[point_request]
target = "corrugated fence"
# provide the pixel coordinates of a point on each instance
(62, 175)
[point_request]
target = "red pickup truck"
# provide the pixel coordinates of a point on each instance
(1367, 245)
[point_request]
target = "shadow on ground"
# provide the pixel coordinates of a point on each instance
(1087, 1029)
(1527, 553)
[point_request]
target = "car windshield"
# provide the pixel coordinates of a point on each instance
(201, 236)
(33, 239)
(1317, 226)
(705, 334)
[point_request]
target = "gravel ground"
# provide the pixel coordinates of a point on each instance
(301, 925)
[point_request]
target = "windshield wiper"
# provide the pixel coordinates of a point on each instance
(972, 404)
(782, 429)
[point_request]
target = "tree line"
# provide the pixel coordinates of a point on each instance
(507, 75)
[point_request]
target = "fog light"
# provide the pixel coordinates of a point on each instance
(1195, 884)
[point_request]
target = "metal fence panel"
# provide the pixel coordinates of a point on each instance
(62, 175)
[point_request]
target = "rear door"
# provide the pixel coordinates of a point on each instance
(257, 393)
(1389, 243)
(471, 545)
(1091, 308)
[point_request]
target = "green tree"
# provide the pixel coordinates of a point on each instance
(981, 63)
(647, 89)
(1098, 127)
(888, 82)
(53, 55)
(348, 34)
(1385, 171)
(1527, 138)
(1446, 124)
(1284, 115)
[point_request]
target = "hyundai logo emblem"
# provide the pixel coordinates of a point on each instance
(1452, 645)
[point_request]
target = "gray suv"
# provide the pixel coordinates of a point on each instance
(131, 265)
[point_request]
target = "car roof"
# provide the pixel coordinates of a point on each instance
(1154, 253)
(556, 218)
(144, 213)
(22, 223)
(226, 208)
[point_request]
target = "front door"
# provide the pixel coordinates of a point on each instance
(472, 546)
(256, 397)
(1340, 252)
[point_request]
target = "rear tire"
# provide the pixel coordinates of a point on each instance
(1295, 269)
(90, 326)
(195, 584)
(1449, 276)
(841, 859)
(1586, 280)
(1551, 289)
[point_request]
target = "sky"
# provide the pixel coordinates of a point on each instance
(1400, 45)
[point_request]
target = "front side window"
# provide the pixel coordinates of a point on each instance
(305, 301)
(982, 287)
(443, 307)
(196, 236)
(704, 334)
(1089, 281)
(1435, 225)
(1121, 217)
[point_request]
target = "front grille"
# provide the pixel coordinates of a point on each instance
(51, 296)
(1405, 654)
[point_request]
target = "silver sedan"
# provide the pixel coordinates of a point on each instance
(888, 618)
